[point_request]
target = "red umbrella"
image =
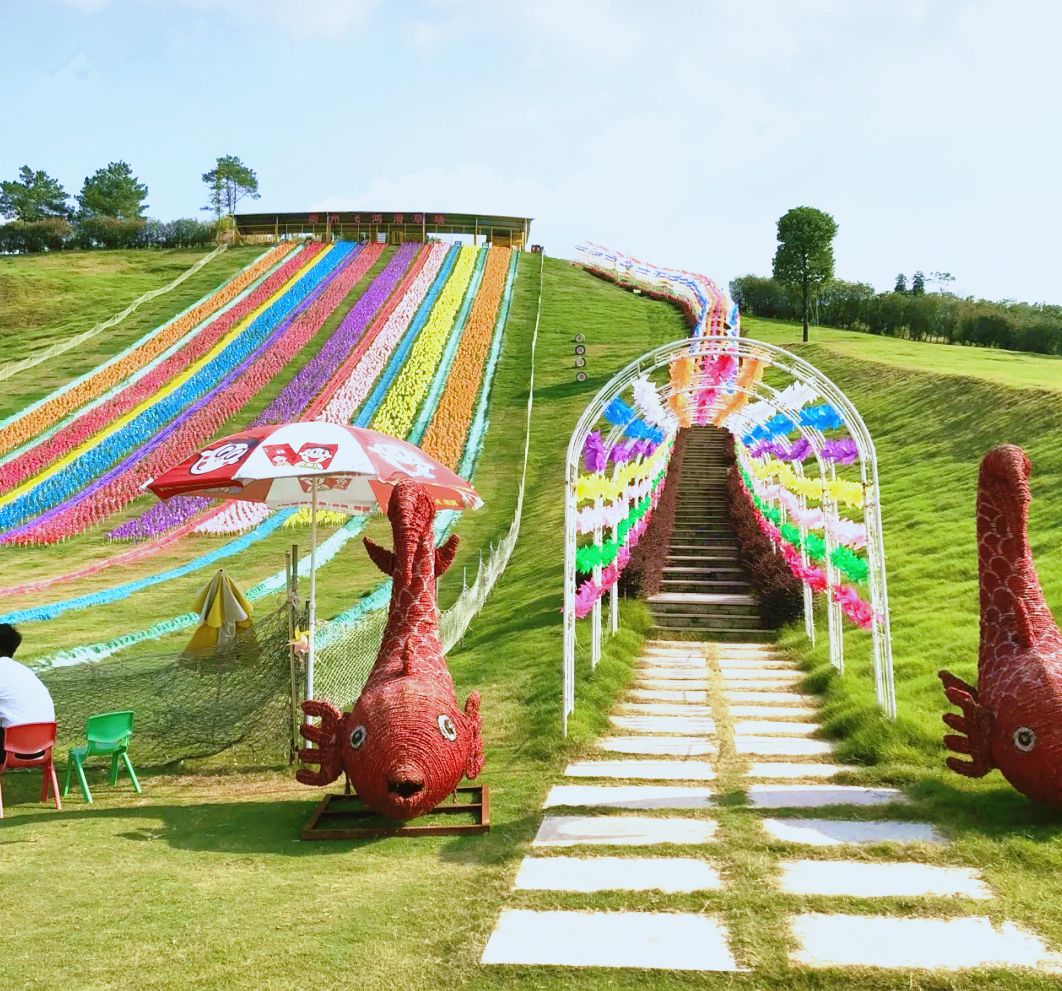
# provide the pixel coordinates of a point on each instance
(316, 464)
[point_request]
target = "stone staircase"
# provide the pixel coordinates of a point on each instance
(704, 589)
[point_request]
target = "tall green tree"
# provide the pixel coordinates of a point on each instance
(32, 197)
(229, 182)
(901, 283)
(804, 259)
(113, 192)
(918, 284)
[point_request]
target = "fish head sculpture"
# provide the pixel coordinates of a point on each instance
(408, 746)
(1012, 720)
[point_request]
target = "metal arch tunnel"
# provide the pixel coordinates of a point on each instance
(801, 371)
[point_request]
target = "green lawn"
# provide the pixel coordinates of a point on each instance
(44, 298)
(1020, 369)
(201, 883)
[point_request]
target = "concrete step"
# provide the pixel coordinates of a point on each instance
(689, 617)
(731, 586)
(710, 599)
(692, 569)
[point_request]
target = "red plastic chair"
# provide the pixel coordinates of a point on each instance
(31, 738)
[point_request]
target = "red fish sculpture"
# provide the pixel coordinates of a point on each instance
(1013, 719)
(406, 744)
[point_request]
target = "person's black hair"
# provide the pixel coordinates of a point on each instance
(10, 638)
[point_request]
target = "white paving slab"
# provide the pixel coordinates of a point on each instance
(671, 684)
(795, 769)
(835, 832)
(663, 770)
(860, 879)
(768, 696)
(673, 725)
(665, 746)
(794, 712)
(770, 746)
(738, 679)
(673, 674)
(887, 941)
(654, 940)
(666, 709)
(629, 797)
(647, 695)
(756, 664)
(816, 796)
(670, 874)
(773, 727)
(556, 831)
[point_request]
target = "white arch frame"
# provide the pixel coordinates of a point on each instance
(801, 371)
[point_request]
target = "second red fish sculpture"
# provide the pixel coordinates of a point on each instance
(1012, 720)
(406, 744)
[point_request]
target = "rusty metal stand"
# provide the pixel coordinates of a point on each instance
(325, 822)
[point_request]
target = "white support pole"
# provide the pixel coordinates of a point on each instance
(310, 653)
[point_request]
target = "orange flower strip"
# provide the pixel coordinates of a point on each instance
(682, 372)
(445, 437)
(39, 418)
(748, 378)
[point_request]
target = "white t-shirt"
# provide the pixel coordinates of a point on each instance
(23, 697)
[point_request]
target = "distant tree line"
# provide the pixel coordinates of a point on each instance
(911, 313)
(109, 212)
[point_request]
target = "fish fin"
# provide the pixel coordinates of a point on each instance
(1023, 624)
(444, 555)
(973, 728)
(326, 754)
(952, 683)
(475, 754)
(380, 556)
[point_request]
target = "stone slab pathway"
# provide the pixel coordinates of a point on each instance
(733, 715)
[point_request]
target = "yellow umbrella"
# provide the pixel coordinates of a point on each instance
(223, 611)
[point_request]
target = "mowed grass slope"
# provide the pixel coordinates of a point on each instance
(46, 298)
(202, 882)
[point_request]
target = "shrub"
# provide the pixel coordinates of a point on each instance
(50, 234)
(645, 571)
(778, 589)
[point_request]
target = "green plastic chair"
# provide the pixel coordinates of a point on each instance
(108, 735)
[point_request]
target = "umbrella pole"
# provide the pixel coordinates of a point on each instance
(313, 589)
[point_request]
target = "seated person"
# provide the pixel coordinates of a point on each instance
(23, 697)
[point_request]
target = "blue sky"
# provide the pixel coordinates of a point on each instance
(679, 131)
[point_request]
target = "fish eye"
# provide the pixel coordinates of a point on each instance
(447, 728)
(1024, 739)
(357, 737)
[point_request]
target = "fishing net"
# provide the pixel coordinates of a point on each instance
(238, 702)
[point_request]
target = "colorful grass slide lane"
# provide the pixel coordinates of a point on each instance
(348, 386)
(136, 394)
(426, 362)
(191, 410)
(28, 422)
(475, 433)
(290, 404)
(145, 367)
(328, 549)
(11, 502)
(373, 299)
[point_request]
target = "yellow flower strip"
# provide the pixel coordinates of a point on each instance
(842, 491)
(445, 436)
(35, 421)
(399, 409)
(170, 387)
(609, 489)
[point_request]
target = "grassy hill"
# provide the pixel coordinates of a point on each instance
(213, 891)
(46, 298)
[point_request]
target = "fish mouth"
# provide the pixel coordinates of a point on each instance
(405, 785)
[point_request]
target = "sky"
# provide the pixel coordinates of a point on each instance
(676, 131)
